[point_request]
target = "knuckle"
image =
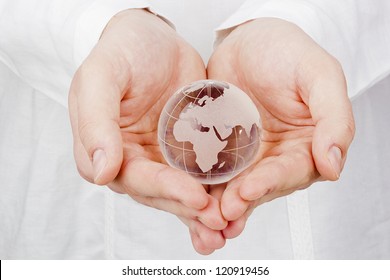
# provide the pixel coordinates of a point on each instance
(347, 130)
(142, 200)
(126, 176)
(336, 64)
(83, 163)
(160, 179)
(350, 127)
(86, 132)
(93, 133)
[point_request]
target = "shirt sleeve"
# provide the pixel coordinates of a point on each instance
(44, 41)
(356, 32)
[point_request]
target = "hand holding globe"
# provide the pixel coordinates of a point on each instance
(307, 120)
(120, 90)
(115, 101)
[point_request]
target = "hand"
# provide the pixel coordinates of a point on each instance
(115, 101)
(307, 119)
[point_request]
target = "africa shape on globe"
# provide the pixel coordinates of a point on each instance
(211, 130)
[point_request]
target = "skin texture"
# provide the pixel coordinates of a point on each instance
(118, 93)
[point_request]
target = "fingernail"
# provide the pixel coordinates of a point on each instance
(99, 161)
(334, 157)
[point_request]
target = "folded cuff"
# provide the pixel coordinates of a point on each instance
(93, 21)
(301, 13)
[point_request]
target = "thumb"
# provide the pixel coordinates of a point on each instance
(94, 104)
(334, 130)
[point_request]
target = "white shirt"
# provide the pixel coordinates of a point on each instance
(48, 211)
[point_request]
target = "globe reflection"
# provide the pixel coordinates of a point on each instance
(211, 130)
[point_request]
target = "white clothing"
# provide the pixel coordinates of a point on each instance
(47, 211)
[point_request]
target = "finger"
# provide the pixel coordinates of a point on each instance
(210, 217)
(274, 195)
(332, 114)
(294, 170)
(204, 239)
(142, 177)
(232, 204)
(210, 238)
(197, 243)
(235, 228)
(199, 246)
(94, 103)
(168, 205)
(216, 190)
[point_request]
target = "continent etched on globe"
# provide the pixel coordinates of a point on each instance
(211, 130)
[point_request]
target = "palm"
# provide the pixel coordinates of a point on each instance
(141, 105)
(145, 67)
(272, 78)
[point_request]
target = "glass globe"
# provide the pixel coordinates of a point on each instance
(211, 130)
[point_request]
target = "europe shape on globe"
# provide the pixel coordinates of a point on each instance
(211, 130)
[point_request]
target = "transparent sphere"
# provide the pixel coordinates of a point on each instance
(211, 130)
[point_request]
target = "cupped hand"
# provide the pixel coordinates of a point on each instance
(115, 101)
(307, 121)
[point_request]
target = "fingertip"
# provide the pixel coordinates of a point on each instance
(335, 160)
(213, 239)
(334, 131)
(105, 166)
(100, 143)
(250, 191)
(99, 162)
(209, 238)
(199, 202)
(199, 199)
(83, 162)
(116, 188)
(211, 216)
(330, 146)
(330, 164)
(235, 228)
(198, 245)
(192, 194)
(232, 204)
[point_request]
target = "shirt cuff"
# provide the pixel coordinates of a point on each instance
(93, 21)
(301, 13)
